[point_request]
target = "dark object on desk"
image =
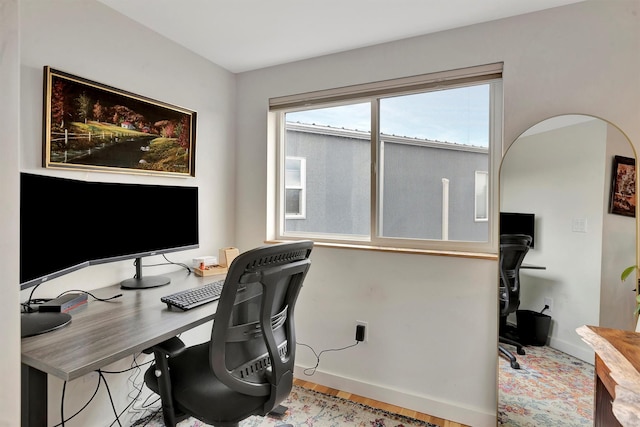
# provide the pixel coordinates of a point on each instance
(247, 367)
(143, 282)
(64, 303)
(194, 297)
(513, 248)
(51, 315)
(37, 323)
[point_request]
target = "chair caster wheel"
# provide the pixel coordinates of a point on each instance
(515, 365)
(521, 351)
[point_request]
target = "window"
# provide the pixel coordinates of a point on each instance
(404, 163)
(295, 179)
(482, 196)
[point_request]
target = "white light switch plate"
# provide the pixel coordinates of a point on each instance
(579, 225)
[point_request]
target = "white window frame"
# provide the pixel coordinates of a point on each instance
(486, 74)
(302, 187)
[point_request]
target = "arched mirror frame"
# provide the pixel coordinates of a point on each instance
(546, 280)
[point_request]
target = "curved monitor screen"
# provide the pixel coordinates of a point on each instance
(68, 224)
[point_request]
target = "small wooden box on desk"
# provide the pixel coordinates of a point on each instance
(226, 256)
(210, 270)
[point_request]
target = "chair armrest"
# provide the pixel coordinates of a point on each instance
(171, 347)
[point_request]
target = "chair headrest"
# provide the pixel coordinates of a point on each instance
(517, 239)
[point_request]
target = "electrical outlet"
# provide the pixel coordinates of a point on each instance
(549, 302)
(365, 332)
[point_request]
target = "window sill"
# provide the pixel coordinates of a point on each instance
(456, 254)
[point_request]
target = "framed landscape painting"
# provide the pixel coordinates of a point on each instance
(623, 186)
(91, 126)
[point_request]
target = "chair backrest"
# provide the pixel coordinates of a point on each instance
(253, 343)
(513, 248)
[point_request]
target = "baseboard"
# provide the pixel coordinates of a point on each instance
(425, 404)
(586, 354)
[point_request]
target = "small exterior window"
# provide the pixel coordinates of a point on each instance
(482, 196)
(295, 187)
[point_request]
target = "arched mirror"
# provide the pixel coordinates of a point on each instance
(561, 171)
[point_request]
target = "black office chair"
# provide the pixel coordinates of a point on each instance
(247, 367)
(513, 248)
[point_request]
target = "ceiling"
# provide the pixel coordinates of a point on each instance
(244, 35)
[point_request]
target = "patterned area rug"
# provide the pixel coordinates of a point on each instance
(551, 389)
(310, 408)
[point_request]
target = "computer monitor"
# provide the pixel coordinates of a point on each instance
(518, 223)
(68, 224)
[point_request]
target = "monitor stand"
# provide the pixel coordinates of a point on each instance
(37, 323)
(139, 282)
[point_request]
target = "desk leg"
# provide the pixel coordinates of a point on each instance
(33, 397)
(603, 414)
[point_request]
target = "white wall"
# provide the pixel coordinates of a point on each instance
(9, 211)
(433, 320)
(88, 39)
(618, 247)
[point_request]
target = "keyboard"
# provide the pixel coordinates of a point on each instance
(194, 297)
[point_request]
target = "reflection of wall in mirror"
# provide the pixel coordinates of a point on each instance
(618, 247)
(561, 175)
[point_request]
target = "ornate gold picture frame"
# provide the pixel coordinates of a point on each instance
(623, 186)
(91, 126)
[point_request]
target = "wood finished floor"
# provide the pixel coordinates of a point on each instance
(376, 404)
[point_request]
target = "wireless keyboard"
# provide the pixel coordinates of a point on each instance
(194, 297)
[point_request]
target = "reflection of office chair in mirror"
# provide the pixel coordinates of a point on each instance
(247, 367)
(513, 248)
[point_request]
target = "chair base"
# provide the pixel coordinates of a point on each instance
(508, 335)
(519, 349)
(512, 359)
(278, 411)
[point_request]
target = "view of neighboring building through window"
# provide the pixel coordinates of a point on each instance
(426, 152)
(338, 172)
